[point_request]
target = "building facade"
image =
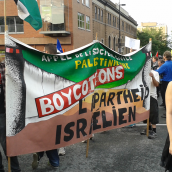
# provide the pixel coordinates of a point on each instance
(74, 22)
(70, 21)
(106, 24)
(153, 25)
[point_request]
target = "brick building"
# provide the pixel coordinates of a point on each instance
(66, 20)
(74, 22)
(106, 24)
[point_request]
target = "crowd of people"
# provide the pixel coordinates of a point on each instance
(161, 80)
(161, 77)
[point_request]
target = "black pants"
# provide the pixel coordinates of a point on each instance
(14, 161)
(165, 152)
(1, 166)
(163, 90)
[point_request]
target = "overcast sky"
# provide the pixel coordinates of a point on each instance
(159, 11)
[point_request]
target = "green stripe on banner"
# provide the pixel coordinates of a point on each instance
(82, 64)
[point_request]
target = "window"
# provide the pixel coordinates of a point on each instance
(117, 23)
(95, 12)
(15, 24)
(102, 15)
(53, 14)
(81, 20)
(109, 18)
(122, 25)
(126, 27)
(87, 23)
(98, 13)
(114, 42)
(114, 21)
(87, 3)
(102, 41)
(109, 42)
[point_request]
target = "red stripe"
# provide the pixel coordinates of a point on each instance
(9, 50)
(17, 51)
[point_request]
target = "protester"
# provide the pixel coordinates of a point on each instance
(154, 113)
(166, 71)
(51, 154)
(155, 63)
(160, 63)
(167, 151)
(14, 161)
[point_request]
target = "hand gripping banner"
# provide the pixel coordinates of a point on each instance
(54, 101)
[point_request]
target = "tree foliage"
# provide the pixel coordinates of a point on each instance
(160, 41)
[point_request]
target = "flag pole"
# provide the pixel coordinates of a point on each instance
(87, 148)
(5, 22)
(5, 29)
(9, 164)
(147, 132)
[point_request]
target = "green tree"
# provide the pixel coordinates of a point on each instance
(160, 41)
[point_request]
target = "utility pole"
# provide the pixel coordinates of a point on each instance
(119, 39)
(119, 46)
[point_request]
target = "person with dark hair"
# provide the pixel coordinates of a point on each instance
(14, 161)
(160, 63)
(166, 71)
(51, 154)
(166, 158)
(50, 49)
(155, 62)
(154, 113)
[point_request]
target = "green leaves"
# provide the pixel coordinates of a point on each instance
(160, 41)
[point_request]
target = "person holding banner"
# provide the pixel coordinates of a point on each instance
(14, 161)
(154, 113)
(51, 154)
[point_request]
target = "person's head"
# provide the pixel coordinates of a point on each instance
(167, 55)
(154, 59)
(160, 62)
(50, 49)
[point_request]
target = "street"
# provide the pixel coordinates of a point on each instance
(118, 150)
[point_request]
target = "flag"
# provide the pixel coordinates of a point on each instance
(29, 11)
(59, 47)
(157, 54)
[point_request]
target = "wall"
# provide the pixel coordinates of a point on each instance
(81, 36)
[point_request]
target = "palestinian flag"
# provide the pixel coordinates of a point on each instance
(29, 11)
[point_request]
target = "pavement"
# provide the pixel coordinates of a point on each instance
(118, 150)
